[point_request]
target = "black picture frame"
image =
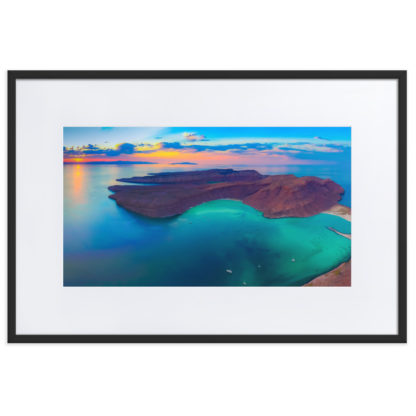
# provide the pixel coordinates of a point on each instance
(400, 76)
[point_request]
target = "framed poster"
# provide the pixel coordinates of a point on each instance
(207, 206)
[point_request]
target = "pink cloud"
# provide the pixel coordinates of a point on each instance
(193, 137)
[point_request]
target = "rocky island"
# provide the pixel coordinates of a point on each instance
(276, 196)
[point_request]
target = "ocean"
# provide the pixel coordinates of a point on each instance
(219, 243)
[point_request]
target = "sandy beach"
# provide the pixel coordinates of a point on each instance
(341, 275)
(340, 233)
(340, 211)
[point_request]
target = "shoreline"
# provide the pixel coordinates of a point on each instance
(340, 233)
(339, 210)
(340, 276)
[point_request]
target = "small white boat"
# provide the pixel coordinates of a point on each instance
(229, 271)
(293, 260)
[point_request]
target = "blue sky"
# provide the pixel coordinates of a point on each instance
(78, 136)
(209, 145)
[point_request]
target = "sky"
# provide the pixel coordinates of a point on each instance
(209, 145)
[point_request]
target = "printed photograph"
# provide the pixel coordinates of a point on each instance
(207, 206)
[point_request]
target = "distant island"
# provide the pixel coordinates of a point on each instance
(110, 162)
(276, 196)
(183, 163)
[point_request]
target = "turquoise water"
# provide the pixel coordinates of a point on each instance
(105, 245)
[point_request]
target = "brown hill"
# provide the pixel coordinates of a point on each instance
(275, 195)
(196, 177)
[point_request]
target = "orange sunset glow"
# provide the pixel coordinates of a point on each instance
(206, 146)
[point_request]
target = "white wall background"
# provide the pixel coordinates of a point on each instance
(208, 379)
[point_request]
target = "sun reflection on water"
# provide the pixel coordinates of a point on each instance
(78, 188)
